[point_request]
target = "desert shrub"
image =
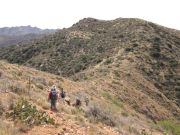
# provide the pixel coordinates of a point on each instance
(78, 67)
(171, 126)
(133, 130)
(80, 76)
(77, 111)
(117, 73)
(100, 49)
(108, 61)
(170, 46)
(98, 60)
(19, 73)
(97, 114)
(135, 44)
(144, 132)
(156, 40)
(1, 108)
(115, 82)
(0, 74)
(155, 54)
(177, 88)
(173, 63)
(84, 58)
(16, 88)
(112, 99)
(75, 78)
(28, 114)
(178, 95)
(125, 114)
(79, 118)
(129, 49)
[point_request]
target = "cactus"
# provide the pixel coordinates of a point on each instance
(27, 113)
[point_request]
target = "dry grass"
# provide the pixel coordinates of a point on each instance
(97, 114)
(112, 104)
(7, 129)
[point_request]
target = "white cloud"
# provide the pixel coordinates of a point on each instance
(63, 13)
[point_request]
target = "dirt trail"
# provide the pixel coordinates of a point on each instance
(67, 126)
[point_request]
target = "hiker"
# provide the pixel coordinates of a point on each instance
(67, 100)
(62, 95)
(77, 102)
(86, 101)
(53, 96)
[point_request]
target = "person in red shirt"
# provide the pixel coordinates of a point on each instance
(52, 97)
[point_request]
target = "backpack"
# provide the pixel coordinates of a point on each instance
(53, 95)
(78, 102)
(63, 94)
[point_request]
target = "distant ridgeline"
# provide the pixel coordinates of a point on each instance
(14, 35)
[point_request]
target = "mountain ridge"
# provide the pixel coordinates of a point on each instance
(23, 30)
(24, 34)
(129, 69)
(93, 49)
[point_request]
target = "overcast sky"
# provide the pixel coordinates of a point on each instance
(64, 13)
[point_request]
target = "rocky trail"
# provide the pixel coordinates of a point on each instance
(67, 126)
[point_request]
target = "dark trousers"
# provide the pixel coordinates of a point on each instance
(53, 105)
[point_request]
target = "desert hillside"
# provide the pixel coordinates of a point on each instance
(153, 51)
(128, 68)
(105, 114)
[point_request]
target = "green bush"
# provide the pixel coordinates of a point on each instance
(28, 114)
(171, 126)
(78, 67)
(173, 63)
(155, 54)
(128, 49)
(108, 61)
